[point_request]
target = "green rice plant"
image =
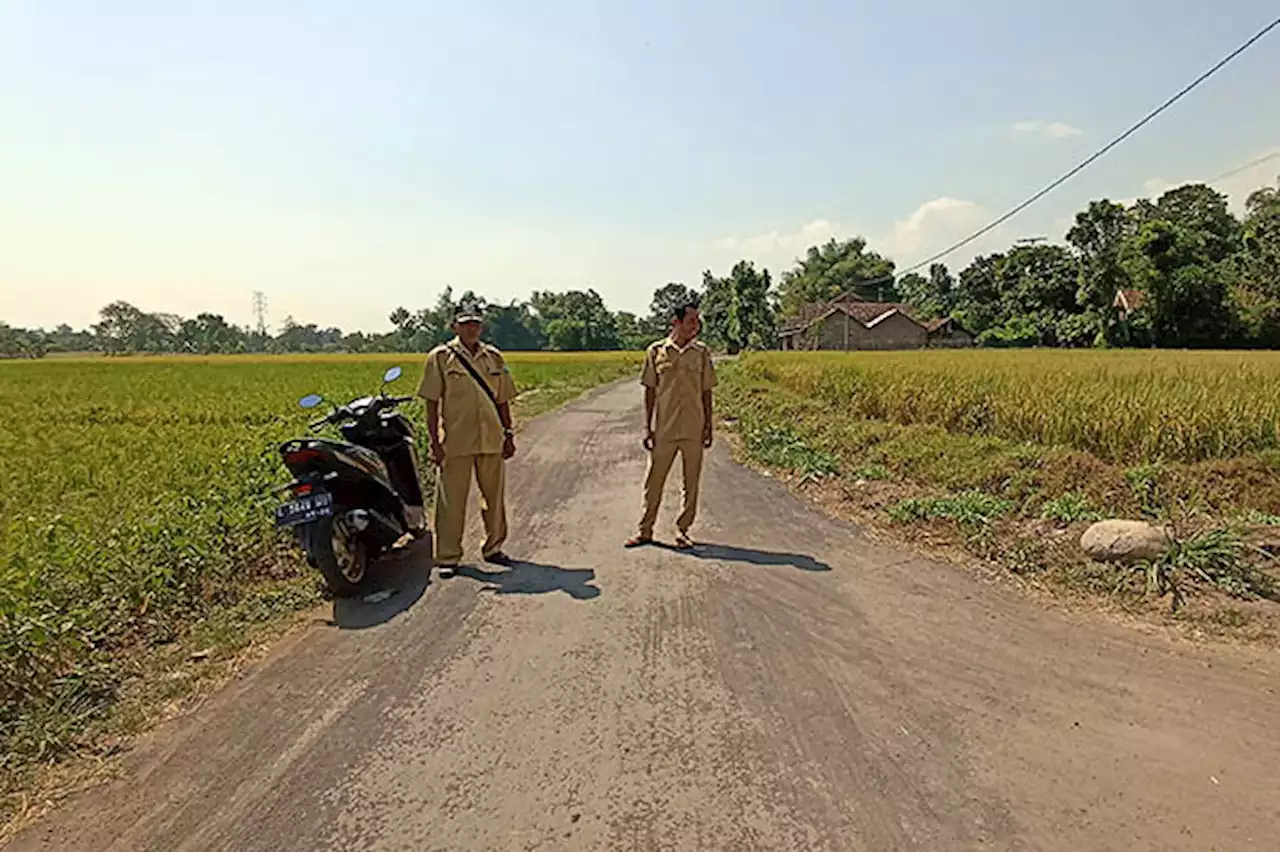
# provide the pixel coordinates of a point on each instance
(1125, 407)
(135, 503)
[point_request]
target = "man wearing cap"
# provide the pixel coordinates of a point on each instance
(468, 390)
(678, 378)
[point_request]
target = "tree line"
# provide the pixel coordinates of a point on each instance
(1193, 274)
(738, 309)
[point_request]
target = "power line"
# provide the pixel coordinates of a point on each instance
(1082, 165)
(1249, 165)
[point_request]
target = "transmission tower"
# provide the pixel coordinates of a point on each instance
(260, 311)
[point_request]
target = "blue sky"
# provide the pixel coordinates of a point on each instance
(348, 157)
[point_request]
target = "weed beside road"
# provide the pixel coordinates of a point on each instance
(136, 513)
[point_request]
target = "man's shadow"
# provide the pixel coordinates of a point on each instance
(534, 578)
(727, 553)
(396, 582)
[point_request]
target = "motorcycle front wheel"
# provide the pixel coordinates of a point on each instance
(337, 553)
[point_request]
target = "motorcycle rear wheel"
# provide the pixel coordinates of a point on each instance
(337, 553)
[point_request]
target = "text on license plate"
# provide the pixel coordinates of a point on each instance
(304, 509)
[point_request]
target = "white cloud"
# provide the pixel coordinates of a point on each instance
(933, 226)
(938, 224)
(1047, 129)
(758, 246)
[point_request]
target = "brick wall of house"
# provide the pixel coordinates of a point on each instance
(831, 331)
(838, 331)
(896, 332)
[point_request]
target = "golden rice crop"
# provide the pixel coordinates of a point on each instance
(135, 499)
(1125, 407)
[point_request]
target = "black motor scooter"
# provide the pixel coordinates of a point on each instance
(353, 499)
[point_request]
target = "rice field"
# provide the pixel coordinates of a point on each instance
(1125, 407)
(135, 500)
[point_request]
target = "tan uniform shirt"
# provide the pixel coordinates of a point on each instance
(680, 377)
(468, 419)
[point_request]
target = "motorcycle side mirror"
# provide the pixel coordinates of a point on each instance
(391, 375)
(311, 400)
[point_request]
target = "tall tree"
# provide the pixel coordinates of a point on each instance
(931, 297)
(433, 326)
(513, 327)
(1098, 237)
(666, 299)
(1199, 209)
(834, 268)
(1261, 229)
(1186, 292)
(716, 300)
(295, 337)
(210, 333)
(751, 312)
(1041, 277)
(576, 320)
(1025, 297)
(66, 339)
(117, 326)
(738, 311)
(977, 294)
(21, 342)
(635, 333)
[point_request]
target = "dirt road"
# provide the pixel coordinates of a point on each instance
(789, 686)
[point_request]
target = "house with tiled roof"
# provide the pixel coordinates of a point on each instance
(847, 323)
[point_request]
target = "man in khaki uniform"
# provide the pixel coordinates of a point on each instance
(477, 436)
(678, 379)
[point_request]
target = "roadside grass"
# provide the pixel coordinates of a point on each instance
(1215, 558)
(969, 508)
(1023, 505)
(136, 540)
(780, 446)
(1069, 508)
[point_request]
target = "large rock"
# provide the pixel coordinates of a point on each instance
(1124, 541)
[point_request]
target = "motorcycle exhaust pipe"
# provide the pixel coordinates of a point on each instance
(376, 526)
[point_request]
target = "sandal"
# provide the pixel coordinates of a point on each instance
(683, 542)
(637, 541)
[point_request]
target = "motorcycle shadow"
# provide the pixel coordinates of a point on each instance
(396, 582)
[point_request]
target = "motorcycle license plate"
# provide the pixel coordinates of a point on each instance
(304, 509)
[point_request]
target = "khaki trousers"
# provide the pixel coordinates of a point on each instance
(660, 461)
(453, 482)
